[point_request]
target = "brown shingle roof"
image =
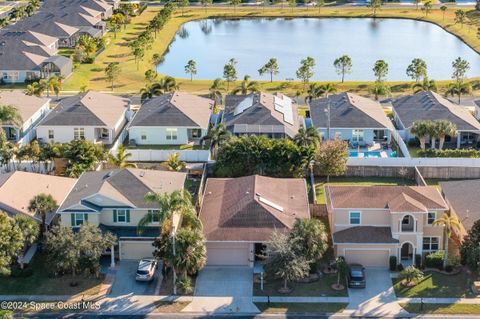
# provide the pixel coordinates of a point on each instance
(250, 208)
(365, 235)
(382, 196)
(464, 197)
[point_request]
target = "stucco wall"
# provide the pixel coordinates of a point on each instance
(158, 135)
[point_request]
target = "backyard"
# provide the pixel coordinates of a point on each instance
(356, 181)
(42, 283)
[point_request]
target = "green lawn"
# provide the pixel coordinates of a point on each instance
(414, 150)
(448, 309)
(40, 282)
(287, 307)
(436, 285)
(356, 181)
(320, 288)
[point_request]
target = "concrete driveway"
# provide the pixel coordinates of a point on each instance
(223, 290)
(377, 299)
(125, 283)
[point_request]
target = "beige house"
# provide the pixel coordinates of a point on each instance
(114, 200)
(240, 214)
(371, 223)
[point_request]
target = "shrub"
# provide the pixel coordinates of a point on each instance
(418, 261)
(470, 153)
(449, 268)
(393, 263)
(185, 284)
(435, 260)
(410, 274)
(400, 267)
(22, 273)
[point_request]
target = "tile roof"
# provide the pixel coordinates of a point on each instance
(14, 201)
(88, 109)
(364, 235)
(175, 109)
(432, 106)
(399, 197)
(348, 110)
(121, 188)
(25, 104)
(464, 198)
(250, 208)
(261, 113)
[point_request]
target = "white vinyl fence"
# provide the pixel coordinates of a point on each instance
(28, 166)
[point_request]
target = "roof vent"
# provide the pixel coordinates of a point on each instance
(110, 174)
(271, 204)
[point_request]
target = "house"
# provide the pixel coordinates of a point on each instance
(95, 8)
(32, 109)
(240, 214)
(96, 117)
(371, 223)
(431, 106)
(174, 118)
(351, 117)
(115, 201)
(463, 198)
(13, 201)
(273, 115)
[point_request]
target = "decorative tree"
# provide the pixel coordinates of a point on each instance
(307, 137)
(42, 204)
(312, 238)
(331, 158)
(450, 224)
(121, 159)
(30, 231)
(342, 269)
(174, 163)
(11, 241)
(246, 86)
(410, 275)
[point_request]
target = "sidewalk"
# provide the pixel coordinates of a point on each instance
(470, 301)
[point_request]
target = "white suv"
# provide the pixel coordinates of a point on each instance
(146, 269)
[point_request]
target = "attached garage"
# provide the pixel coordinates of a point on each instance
(135, 249)
(368, 258)
(228, 254)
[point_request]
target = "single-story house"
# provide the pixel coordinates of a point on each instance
(32, 109)
(463, 198)
(351, 117)
(240, 214)
(114, 200)
(272, 115)
(18, 188)
(432, 106)
(175, 118)
(96, 117)
(371, 223)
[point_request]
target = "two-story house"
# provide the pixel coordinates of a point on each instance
(371, 223)
(114, 200)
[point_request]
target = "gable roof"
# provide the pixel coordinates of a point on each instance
(464, 198)
(348, 110)
(120, 188)
(25, 104)
(14, 201)
(175, 109)
(250, 208)
(88, 109)
(261, 113)
(400, 198)
(432, 106)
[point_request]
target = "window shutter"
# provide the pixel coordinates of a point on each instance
(85, 217)
(128, 215)
(114, 215)
(72, 217)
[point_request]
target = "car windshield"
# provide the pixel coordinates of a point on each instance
(357, 274)
(142, 272)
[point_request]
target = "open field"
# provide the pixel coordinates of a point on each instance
(131, 80)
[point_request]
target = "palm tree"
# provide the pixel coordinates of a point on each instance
(217, 136)
(328, 88)
(379, 89)
(458, 89)
(174, 163)
(315, 91)
(246, 86)
(425, 86)
(42, 204)
(54, 84)
(421, 129)
(443, 128)
(10, 115)
(450, 223)
(29, 229)
(216, 90)
(178, 203)
(307, 137)
(120, 160)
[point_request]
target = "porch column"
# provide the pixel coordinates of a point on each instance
(413, 256)
(112, 256)
(459, 138)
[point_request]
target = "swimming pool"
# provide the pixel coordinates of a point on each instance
(371, 154)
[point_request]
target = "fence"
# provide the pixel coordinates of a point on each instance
(28, 137)
(412, 162)
(162, 155)
(28, 166)
(401, 143)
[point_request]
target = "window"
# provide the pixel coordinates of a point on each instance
(143, 135)
(171, 133)
(431, 217)
(357, 135)
(78, 133)
(121, 216)
(104, 133)
(430, 243)
(196, 133)
(51, 134)
(78, 219)
(354, 218)
(155, 216)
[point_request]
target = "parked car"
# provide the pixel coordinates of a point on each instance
(356, 276)
(146, 269)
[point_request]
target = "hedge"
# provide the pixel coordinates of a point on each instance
(470, 153)
(435, 260)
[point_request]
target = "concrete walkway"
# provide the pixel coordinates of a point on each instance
(468, 301)
(377, 299)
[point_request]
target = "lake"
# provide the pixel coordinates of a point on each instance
(211, 43)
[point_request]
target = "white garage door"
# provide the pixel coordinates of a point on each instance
(368, 258)
(228, 254)
(136, 249)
